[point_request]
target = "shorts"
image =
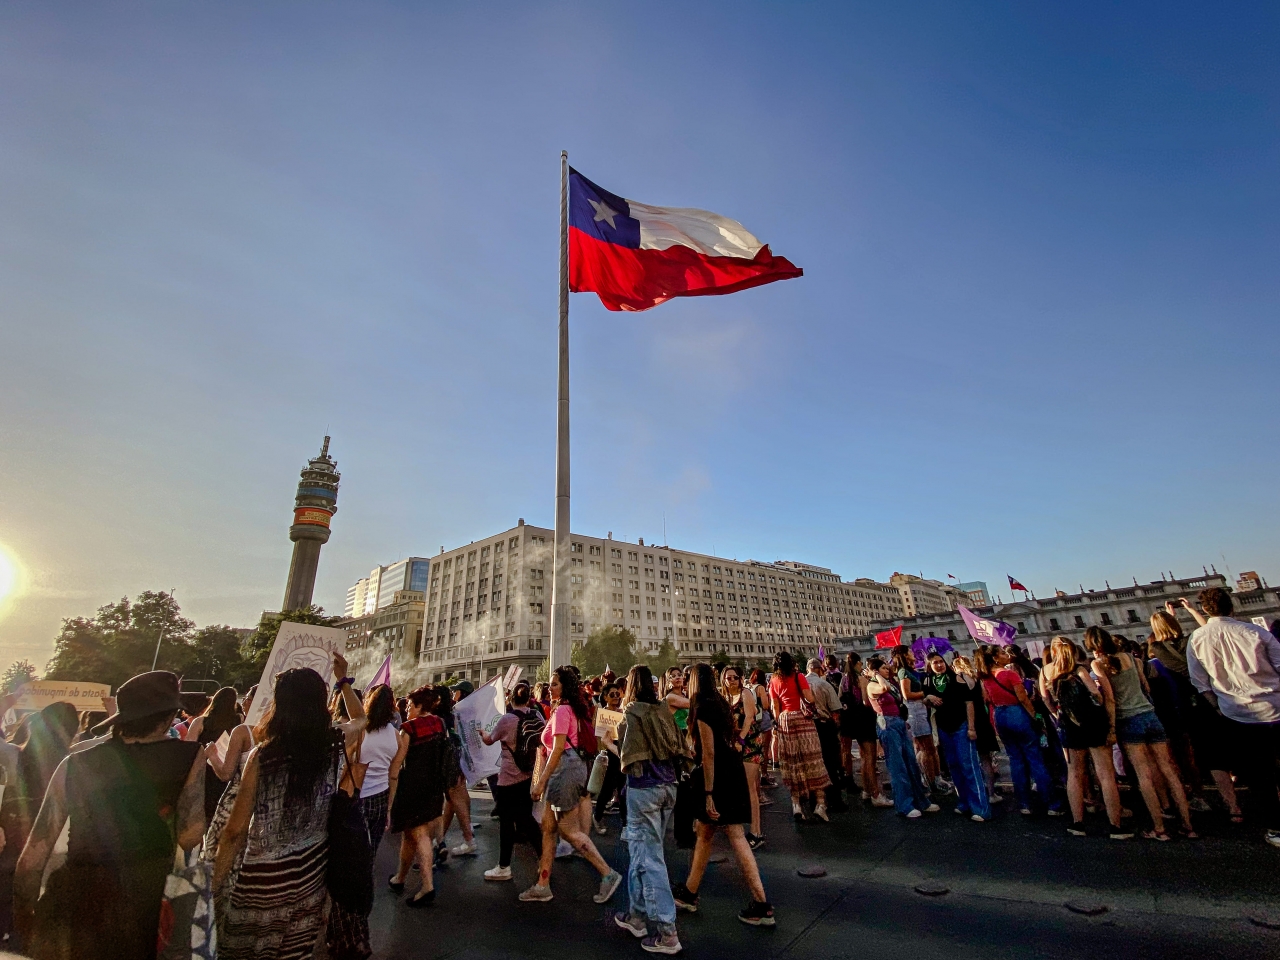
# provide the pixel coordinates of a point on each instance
(1141, 728)
(918, 719)
(568, 785)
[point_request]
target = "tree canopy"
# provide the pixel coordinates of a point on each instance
(121, 640)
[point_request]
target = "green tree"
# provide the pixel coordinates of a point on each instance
(120, 641)
(217, 653)
(18, 673)
(611, 646)
(720, 659)
(664, 659)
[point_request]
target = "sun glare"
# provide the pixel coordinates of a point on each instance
(8, 575)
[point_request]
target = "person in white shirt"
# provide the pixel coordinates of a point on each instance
(827, 705)
(1236, 666)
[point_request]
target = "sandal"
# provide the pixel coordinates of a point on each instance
(1188, 834)
(1237, 818)
(1153, 835)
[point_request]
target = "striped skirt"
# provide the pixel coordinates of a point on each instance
(277, 907)
(800, 753)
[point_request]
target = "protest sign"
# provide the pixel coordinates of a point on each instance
(297, 645)
(512, 677)
(473, 714)
(607, 722)
(38, 694)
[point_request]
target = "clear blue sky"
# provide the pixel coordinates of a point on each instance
(1036, 335)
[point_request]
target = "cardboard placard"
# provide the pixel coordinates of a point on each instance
(38, 694)
(297, 645)
(607, 722)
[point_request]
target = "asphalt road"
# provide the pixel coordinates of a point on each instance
(1008, 881)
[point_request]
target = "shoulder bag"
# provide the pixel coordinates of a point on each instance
(349, 874)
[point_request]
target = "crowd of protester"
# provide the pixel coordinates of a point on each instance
(280, 821)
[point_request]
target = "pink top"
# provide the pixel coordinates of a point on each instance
(884, 703)
(1002, 688)
(563, 721)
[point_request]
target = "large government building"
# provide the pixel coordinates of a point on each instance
(487, 605)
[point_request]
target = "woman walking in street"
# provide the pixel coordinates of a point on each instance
(727, 804)
(1139, 732)
(1015, 719)
(614, 780)
(275, 904)
(1080, 704)
(421, 771)
(457, 799)
(757, 683)
(746, 724)
(651, 750)
(563, 782)
(515, 771)
(798, 747)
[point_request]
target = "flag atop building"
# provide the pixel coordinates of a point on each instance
(635, 256)
(1015, 585)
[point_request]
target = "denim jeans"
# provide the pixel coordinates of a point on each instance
(1022, 744)
(649, 812)
(966, 772)
(900, 758)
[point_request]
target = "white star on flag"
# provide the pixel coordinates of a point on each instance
(604, 212)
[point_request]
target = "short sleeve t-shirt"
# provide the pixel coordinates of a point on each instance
(786, 690)
(955, 696)
(504, 731)
(563, 721)
(1002, 689)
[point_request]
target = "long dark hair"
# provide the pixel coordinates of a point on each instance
(784, 665)
(640, 685)
(49, 734)
(378, 706)
(443, 707)
(706, 703)
(297, 733)
(1103, 646)
(221, 715)
(571, 693)
(850, 681)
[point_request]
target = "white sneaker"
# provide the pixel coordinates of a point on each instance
(601, 829)
(498, 873)
(881, 802)
(932, 808)
(820, 811)
(1273, 837)
(978, 819)
(464, 849)
(914, 815)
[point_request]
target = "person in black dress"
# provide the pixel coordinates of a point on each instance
(728, 802)
(420, 774)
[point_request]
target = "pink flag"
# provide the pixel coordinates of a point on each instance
(383, 675)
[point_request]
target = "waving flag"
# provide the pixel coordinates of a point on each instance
(635, 256)
(890, 638)
(383, 675)
(1015, 585)
(987, 631)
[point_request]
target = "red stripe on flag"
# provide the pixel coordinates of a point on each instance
(629, 279)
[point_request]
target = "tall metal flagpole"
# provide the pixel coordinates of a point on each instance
(560, 595)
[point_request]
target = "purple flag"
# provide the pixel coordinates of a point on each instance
(383, 675)
(987, 631)
(927, 645)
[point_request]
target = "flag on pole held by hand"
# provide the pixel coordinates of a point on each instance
(635, 256)
(383, 676)
(1015, 585)
(890, 638)
(987, 631)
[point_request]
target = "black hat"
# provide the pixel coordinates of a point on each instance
(145, 695)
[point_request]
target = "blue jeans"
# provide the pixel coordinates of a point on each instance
(649, 812)
(900, 758)
(966, 771)
(1022, 744)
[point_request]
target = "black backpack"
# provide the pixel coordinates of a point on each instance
(528, 738)
(1078, 706)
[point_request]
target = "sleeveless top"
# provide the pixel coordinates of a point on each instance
(280, 827)
(378, 749)
(1127, 686)
(122, 801)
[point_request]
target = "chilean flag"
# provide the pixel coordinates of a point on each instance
(1015, 585)
(635, 256)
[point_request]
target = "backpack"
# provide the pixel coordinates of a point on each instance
(1078, 706)
(588, 743)
(528, 738)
